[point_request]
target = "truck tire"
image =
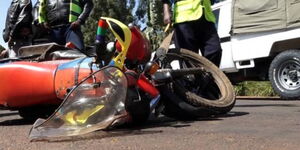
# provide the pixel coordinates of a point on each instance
(207, 93)
(284, 74)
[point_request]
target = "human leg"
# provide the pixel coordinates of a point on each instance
(210, 42)
(199, 34)
(184, 37)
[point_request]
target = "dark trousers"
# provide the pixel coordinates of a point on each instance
(199, 34)
(64, 34)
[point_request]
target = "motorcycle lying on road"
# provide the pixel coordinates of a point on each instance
(122, 86)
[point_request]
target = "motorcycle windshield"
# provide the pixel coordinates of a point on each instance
(94, 104)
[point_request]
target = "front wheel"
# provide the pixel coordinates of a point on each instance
(284, 74)
(208, 92)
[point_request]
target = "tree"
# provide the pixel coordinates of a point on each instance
(141, 12)
(154, 21)
(120, 10)
(148, 15)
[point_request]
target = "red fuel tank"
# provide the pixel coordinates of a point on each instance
(24, 83)
(27, 83)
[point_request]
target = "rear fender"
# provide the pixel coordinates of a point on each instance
(145, 85)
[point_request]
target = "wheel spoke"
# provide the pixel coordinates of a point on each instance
(200, 84)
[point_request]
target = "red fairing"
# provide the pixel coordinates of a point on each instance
(139, 47)
(144, 84)
(27, 83)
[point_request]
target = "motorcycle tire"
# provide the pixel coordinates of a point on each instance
(206, 93)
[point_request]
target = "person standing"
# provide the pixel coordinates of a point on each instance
(63, 19)
(194, 27)
(17, 31)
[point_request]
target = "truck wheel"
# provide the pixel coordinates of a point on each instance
(284, 74)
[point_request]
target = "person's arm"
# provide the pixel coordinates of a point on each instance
(167, 13)
(11, 19)
(42, 17)
(14, 12)
(42, 12)
(88, 5)
(24, 17)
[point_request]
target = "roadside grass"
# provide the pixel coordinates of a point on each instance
(254, 88)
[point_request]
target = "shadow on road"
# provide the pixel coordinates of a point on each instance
(8, 114)
(267, 105)
(12, 121)
(150, 127)
(16, 122)
(124, 130)
(99, 135)
(254, 98)
(233, 114)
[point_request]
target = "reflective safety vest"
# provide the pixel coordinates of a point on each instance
(75, 10)
(189, 10)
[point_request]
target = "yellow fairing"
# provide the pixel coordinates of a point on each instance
(120, 58)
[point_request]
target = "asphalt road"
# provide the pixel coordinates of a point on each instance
(252, 125)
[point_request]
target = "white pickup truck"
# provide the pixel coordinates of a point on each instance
(261, 41)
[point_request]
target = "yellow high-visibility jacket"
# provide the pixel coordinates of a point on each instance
(74, 10)
(189, 10)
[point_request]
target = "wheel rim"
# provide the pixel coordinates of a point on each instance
(194, 83)
(289, 75)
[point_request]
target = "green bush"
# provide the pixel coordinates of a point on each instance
(254, 88)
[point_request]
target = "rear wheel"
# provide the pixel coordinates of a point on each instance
(207, 92)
